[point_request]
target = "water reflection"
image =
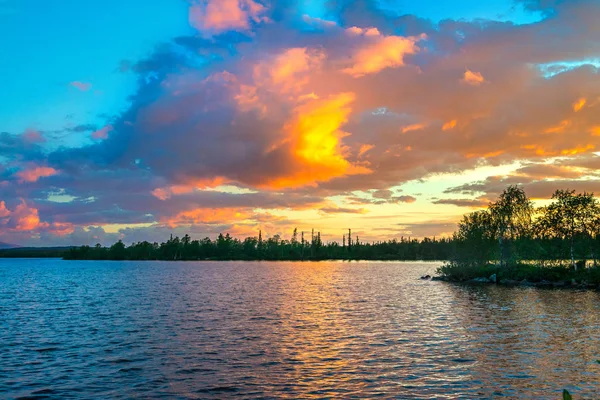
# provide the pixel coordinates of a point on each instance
(286, 330)
(532, 341)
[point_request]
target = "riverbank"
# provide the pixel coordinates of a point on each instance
(521, 275)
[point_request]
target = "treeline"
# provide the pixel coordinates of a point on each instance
(34, 252)
(225, 247)
(566, 232)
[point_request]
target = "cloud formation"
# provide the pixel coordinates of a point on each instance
(263, 112)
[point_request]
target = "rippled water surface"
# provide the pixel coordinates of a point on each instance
(72, 329)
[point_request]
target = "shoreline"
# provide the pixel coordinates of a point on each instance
(542, 284)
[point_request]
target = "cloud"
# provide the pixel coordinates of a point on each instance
(406, 199)
(102, 133)
(21, 218)
(208, 215)
(217, 16)
(83, 86)
(32, 174)
(4, 212)
(379, 51)
(471, 203)
(314, 135)
(579, 104)
(342, 210)
(33, 136)
(297, 111)
(289, 70)
(82, 128)
(473, 78)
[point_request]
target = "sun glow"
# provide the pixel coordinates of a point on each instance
(315, 135)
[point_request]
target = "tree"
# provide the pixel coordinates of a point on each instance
(511, 219)
(117, 251)
(569, 217)
(475, 238)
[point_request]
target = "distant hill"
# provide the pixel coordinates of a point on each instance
(7, 245)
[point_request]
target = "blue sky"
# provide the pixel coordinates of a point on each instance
(54, 43)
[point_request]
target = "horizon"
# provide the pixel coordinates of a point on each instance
(200, 117)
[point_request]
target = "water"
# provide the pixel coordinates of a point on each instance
(286, 330)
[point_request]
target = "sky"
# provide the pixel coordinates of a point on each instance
(135, 120)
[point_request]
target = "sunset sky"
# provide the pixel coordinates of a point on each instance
(137, 119)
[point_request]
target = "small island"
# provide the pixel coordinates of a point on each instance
(514, 243)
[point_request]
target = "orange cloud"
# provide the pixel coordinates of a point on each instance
(25, 218)
(364, 149)
(473, 78)
(4, 212)
(595, 130)
(223, 15)
(559, 128)
(491, 154)
(449, 125)
(290, 70)
(315, 136)
(578, 150)
(413, 127)
(380, 51)
(542, 151)
(579, 104)
(102, 133)
(207, 216)
(35, 173)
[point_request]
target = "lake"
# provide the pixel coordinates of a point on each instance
(89, 329)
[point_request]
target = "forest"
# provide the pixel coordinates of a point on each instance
(296, 248)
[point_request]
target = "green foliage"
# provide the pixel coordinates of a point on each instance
(573, 218)
(508, 234)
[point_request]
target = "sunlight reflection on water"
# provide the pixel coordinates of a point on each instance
(286, 330)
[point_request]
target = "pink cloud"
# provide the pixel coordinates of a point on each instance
(83, 86)
(218, 16)
(290, 70)
(25, 218)
(102, 133)
(33, 136)
(4, 212)
(35, 173)
(379, 52)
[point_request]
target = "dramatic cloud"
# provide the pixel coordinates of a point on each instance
(264, 117)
